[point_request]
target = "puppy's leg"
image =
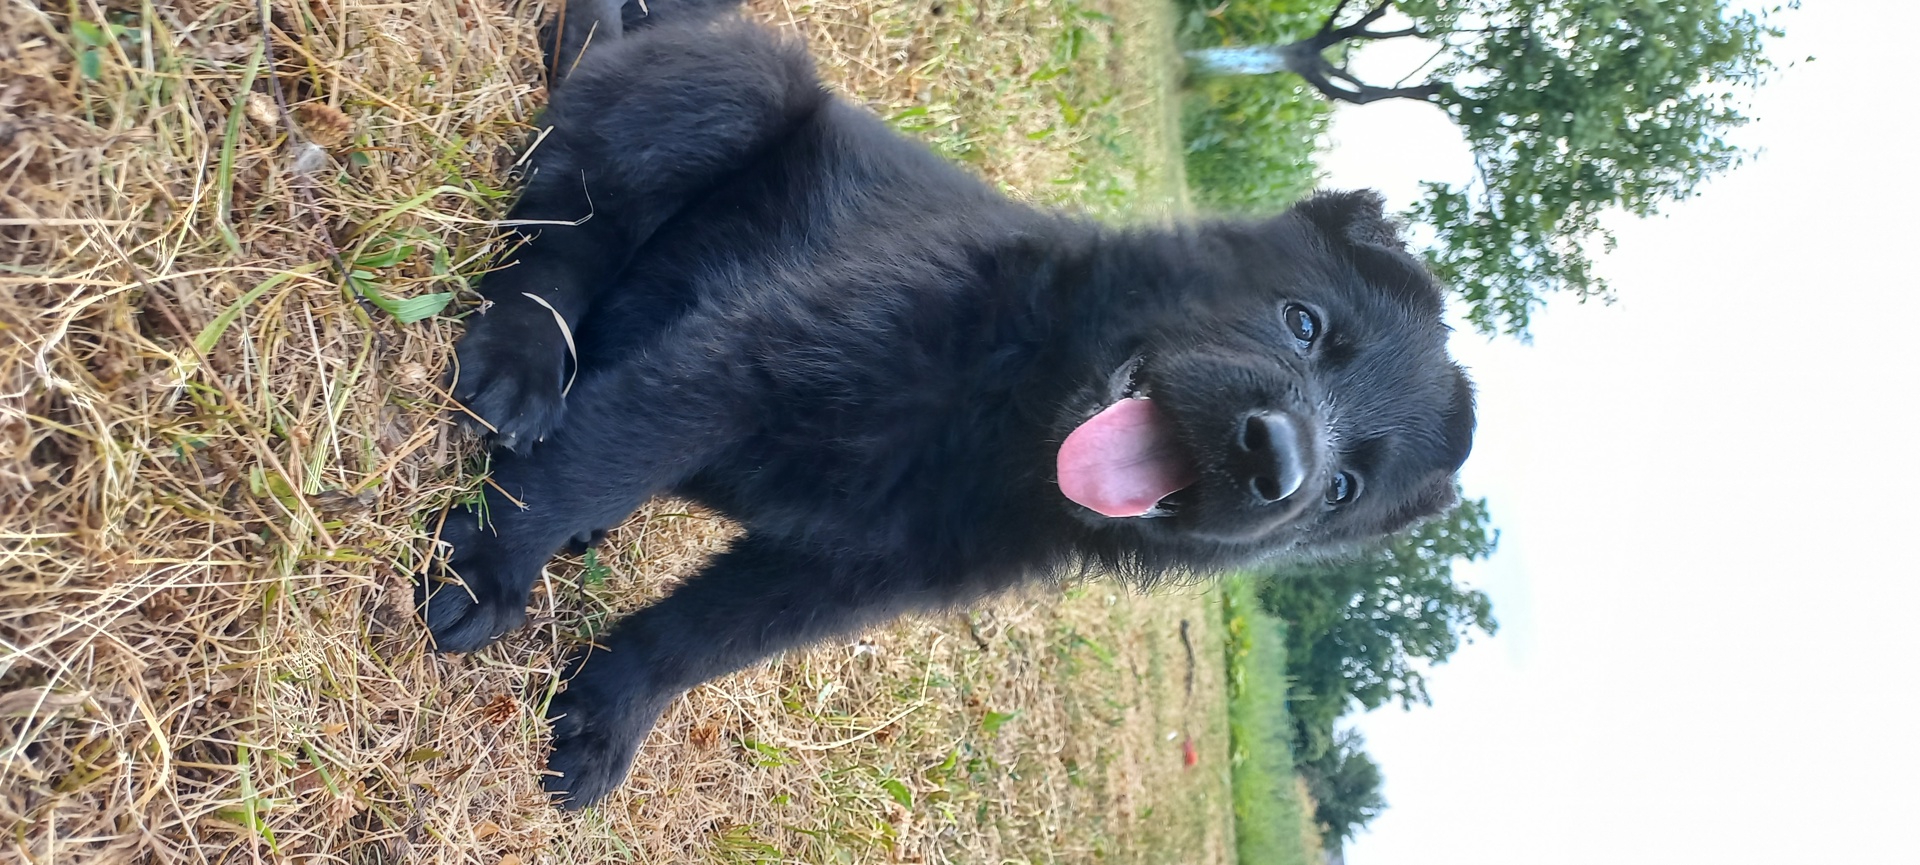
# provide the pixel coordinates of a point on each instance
(633, 431)
(642, 127)
(761, 597)
(594, 24)
(564, 39)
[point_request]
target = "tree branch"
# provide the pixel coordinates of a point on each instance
(1341, 73)
(1321, 75)
(1327, 27)
(1442, 49)
(1387, 34)
(1306, 59)
(1356, 28)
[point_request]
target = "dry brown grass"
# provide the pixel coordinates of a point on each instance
(221, 462)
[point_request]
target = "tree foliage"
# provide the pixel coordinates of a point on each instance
(1345, 783)
(1571, 108)
(1362, 632)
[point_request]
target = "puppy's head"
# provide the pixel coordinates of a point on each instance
(1293, 394)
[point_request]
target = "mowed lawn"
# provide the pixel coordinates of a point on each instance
(206, 651)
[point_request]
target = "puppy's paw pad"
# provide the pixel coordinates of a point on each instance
(478, 594)
(582, 770)
(512, 372)
(597, 728)
(461, 621)
(585, 541)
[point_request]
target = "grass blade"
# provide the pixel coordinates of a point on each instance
(223, 182)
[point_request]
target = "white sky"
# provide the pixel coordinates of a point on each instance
(1710, 648)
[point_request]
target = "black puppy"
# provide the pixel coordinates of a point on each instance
(910, 390)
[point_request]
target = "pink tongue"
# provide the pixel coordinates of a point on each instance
(1122, 461)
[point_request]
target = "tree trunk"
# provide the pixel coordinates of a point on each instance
(1236, 60)
(1307, 59)
(1302, 58)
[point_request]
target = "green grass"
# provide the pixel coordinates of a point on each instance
(1250, 141)
(1273, 822)
(1065, 102)
(1049, 727)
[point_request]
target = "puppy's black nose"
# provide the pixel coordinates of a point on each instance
(1274, 456)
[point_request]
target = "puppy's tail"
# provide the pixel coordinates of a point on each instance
(582, 25)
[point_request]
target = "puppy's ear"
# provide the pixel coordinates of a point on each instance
(1355, 217)
(1457, 423)
(1356, 224)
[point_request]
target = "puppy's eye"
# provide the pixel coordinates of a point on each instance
(1344, 487)
(1301, 322)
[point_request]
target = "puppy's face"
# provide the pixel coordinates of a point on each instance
(1298, 396)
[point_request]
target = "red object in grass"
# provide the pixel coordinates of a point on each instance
(1189, 754)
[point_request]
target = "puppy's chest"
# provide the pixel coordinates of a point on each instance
(892, 471)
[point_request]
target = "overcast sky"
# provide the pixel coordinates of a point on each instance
(1710, 606)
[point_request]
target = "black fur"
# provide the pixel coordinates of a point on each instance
(788, 312)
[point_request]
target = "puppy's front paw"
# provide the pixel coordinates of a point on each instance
(512, 372)
(599, 721)
(480, 596)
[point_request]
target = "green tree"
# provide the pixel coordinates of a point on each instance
(1345, 783)
(1362, 631)
(1571, 108)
